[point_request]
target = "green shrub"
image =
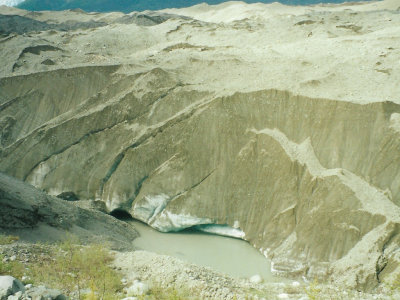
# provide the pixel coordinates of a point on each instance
(74, 268)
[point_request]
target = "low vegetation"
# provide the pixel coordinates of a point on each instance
(82, 271)
(12, 268)
(157, 292)
(8, 239)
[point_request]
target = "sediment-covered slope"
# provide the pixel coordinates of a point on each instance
(35, 216)
(282, 123)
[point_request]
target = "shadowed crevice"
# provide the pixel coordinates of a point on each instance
(121, 214)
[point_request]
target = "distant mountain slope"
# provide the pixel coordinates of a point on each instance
(137, 5)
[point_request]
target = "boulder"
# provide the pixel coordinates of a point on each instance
(43, 293)
(9, 286)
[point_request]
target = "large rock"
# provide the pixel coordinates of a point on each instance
(264, 119)
(10, 285)
(41, 292)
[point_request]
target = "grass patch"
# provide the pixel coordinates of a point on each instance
(12, 268)
(8, 239)
(157, 292)
(76, 269)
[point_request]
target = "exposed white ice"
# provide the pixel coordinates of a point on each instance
(236, 224)
(273, 270)
(224, 230)
(152, 211)
(113, 201)
(37, 176)
(167, 222)
(149, 209)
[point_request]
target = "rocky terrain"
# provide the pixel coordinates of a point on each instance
(281, 122)
(145, 271)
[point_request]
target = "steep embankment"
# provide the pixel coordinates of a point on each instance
(35, 216)
(267, 122)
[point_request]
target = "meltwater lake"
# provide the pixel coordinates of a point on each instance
(230, 256)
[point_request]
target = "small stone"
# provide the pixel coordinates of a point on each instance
(256, 279)
(13, 258)
(283, 296)
(25, 278)
(295, 284)
(28, 286)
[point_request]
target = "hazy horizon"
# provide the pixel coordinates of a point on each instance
(131, 5)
